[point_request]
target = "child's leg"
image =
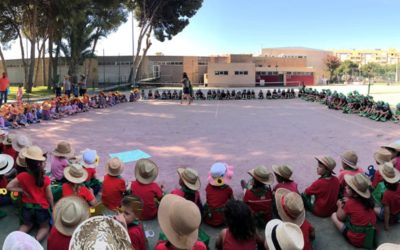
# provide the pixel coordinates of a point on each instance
(339, 225)
(43, 231)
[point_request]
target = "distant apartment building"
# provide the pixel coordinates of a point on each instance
(383, 57)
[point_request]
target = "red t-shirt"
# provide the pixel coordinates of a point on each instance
(137, 236)
(307, 229)
(377, 178)
(359, 216)
(37, 195)
(57, 240)
(216, 197)
(292, 186)
(84, 192)
(197, 199)
(150, 195)
(161, 245)
(392, 200)
(8, 149)
(261, 202)
(232, 244)
(4, 83)
(344, 172)
(3, 181)
(91, 172)
(113, 189)
(326, 193)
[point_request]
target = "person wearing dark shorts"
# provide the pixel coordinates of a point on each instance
(187, 89)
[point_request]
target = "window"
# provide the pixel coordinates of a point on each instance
(219, 73)
(241, 72)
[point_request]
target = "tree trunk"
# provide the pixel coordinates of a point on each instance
(3, 61)
(44, 62)
(55, 64)
(148, 44)
(24, 64)
(36, 75)
(89, 70)
(50, 69)
(33, 41)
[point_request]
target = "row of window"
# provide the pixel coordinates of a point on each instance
(225, 72)
(273, 73)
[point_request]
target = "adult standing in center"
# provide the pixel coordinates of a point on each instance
(82, 85)
(67, 86)
(4, 84)
(186, 84)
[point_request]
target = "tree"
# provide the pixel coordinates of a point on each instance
(371, 70)
(347, 68)
(332, 63)
(164, 19)
(7, 33)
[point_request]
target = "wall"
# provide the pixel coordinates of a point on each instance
(230, 80)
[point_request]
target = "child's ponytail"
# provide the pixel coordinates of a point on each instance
(35, 168)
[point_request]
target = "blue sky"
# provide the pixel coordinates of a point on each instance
(239, 26)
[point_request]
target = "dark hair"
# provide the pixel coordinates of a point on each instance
(188, 193)
(280, 179)
(36, 169)
(391, 186)
(367, 202)
(257, 184)
(133, 202)
(185, 75)
(240, 220)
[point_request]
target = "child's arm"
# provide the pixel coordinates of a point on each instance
(341, 215)
(386, 211)
(14, 186)
(49, 196)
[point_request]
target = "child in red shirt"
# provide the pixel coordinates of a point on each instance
(258, 195)
(37, 197)
(349, 167)
(355, 217)
(6, 165)
(113, 185)
(146, 172)
(394, 148)
(132, 207)
(290, 208)
(182, 235)
(389, 212)
(68, 213)
(190, 185)
(90, 161)
(381, 156)
(283, 175)
(218, 192)
(321, 197)
(75, 175)
(7, 146)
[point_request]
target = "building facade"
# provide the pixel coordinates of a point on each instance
(361, 57)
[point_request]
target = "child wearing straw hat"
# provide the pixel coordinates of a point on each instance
(349, 165)
(190, 184)
(290, 208)
(355, 217)
(394, 148)
(89, 161)
(179, 220)
(7, 146)
(6, 165)
(59, 162)
(381, 156)
(241, 230)
(283, 175)
(145, 187)
(258, 195)
(75, 175)
(37, 197)
(68, 213)
(283, 235)
(321, 196)
(389, 212)
(131, 208)
(113, 185)
(218, 192)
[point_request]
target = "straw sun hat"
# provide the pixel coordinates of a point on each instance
(6, 163)
(283, 235)
(75, 173)
(328, 162)
(146, 171)
(100, 232)
(63, 149)
(179, 219)
(382, 155)
(359, 184)
(290, 206)
(190, 178)
(8, 139)
(284, 171)
(350, 158)
(33, 153)
(388, 246)
(262, 175)
(394, 146)
(21, 141)
(69, 212)
(389, 172)
(114, 167)
(21, 159)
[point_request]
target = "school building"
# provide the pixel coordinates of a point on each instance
(365, 56)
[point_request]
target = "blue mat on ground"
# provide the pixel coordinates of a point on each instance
(129, 156)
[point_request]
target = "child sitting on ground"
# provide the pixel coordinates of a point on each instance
(389, 212)
(290, 208)
(283, 175)
(113, 184)
(75, 175)
(190, 185)
(89, 161)
(131, 208)
(36, 193)
(59, 161)
(258, 194)
(291, 236)
(394, 149)
(146, 172)
(355, 217)
(321, 197)
(218, 192)
(241, 231)
(349, 167)
(7, 165)
(381, 156)
(68, 213)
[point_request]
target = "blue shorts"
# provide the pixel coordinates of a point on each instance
(31, 216)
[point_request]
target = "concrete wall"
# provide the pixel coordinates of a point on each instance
(216, 79)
